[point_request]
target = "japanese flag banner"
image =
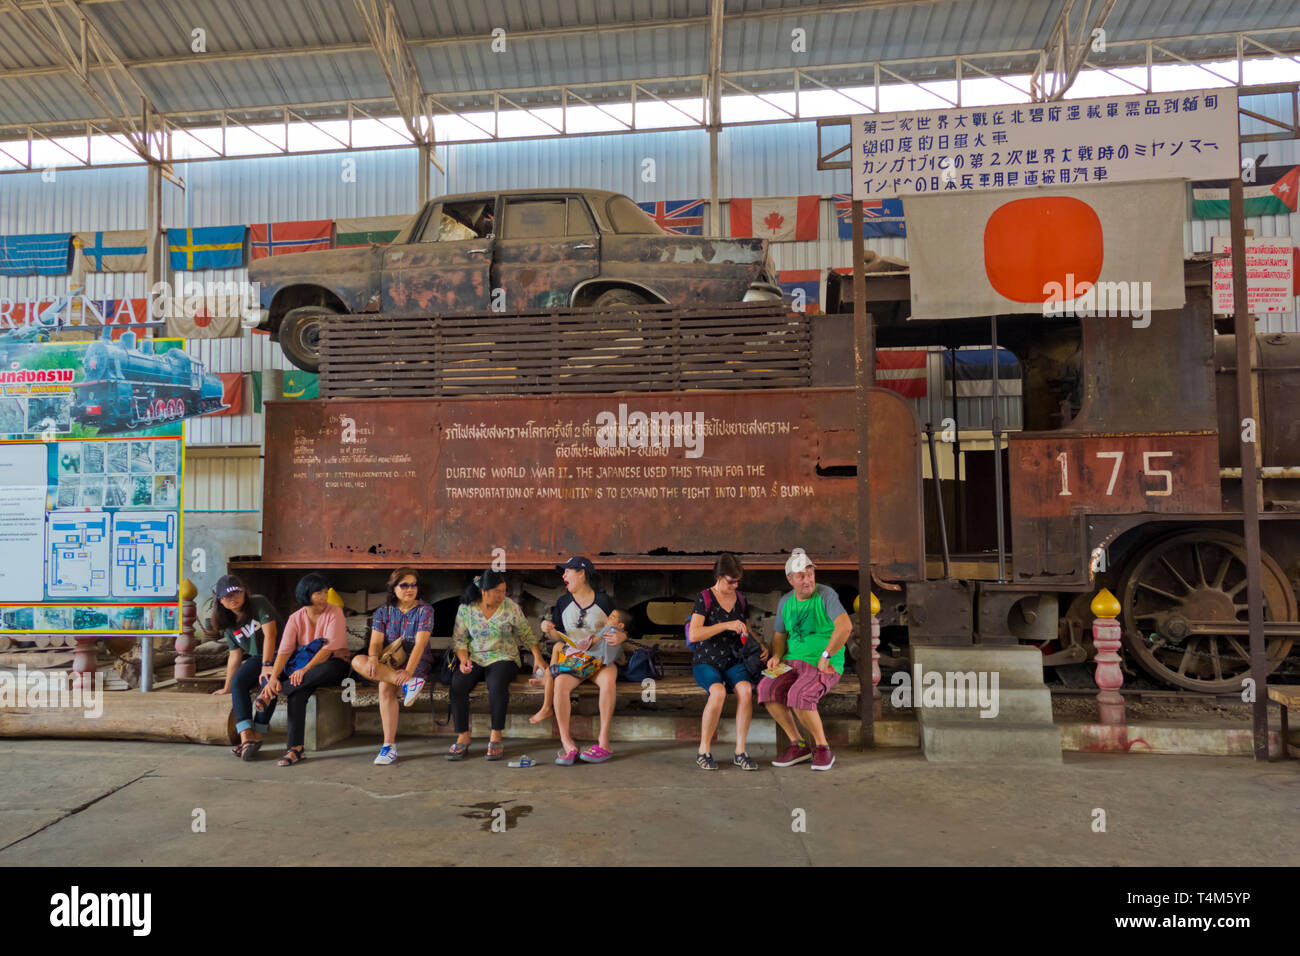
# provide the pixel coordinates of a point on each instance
(777, 219)
(1105, 250)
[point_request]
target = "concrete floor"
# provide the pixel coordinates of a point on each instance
(70, 803)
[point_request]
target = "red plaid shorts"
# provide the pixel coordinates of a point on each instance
(801, 687)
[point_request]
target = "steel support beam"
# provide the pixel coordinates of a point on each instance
(715, 113)
(122, 97)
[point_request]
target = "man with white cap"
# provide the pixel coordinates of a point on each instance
(809, 635)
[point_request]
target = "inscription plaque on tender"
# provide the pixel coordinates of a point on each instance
(629, 480)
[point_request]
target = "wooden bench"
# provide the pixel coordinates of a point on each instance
(1285, 696)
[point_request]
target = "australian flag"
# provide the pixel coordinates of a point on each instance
(880, 217)
(680, 217)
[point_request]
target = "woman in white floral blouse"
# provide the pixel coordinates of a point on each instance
(489, 632)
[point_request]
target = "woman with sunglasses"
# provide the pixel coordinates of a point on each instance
(399, 656)
(720, 642)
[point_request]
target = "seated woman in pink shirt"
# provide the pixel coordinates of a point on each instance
(314, 636)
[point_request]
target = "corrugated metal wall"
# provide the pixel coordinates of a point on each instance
(760, 160)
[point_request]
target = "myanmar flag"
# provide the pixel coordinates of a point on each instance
(1273, 193)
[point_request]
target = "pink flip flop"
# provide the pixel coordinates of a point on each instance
(595, 754)
(566, 759)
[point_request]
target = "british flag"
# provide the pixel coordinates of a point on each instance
(880, 217)
(680, 217)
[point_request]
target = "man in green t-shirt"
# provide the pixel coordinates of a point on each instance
(810, 632)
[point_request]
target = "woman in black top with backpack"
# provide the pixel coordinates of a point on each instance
(725, 654)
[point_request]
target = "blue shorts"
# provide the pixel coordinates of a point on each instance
(706, 675)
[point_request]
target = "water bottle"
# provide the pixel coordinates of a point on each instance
(524, 761)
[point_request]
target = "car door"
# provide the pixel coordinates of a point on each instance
(548, 244)
(446, 265)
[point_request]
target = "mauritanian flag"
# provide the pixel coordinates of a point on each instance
(1015, 251)
(1273, 193)
(778, 219)
(281, 238)
(368, 230)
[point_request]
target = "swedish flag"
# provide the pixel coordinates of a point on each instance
(208, 247)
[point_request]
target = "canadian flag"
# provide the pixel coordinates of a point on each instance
(777, 219)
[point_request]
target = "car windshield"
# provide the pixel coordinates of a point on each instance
(628, 217)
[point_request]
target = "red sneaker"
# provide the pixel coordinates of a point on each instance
(823, 759)
(797, 752)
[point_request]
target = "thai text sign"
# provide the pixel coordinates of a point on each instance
(1270, 275)
(444, 482)
(1177, 135)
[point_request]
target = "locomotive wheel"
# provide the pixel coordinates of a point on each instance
(1199, 577)
(300, 336)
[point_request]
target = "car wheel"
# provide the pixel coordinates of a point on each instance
(621, 297)
(300, 336)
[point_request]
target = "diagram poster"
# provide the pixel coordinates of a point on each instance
(91, 465)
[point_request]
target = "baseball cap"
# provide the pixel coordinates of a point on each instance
(798, 561)
(227, 585)
(576, 563)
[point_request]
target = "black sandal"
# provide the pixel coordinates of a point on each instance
(249, 749)
(291, 757)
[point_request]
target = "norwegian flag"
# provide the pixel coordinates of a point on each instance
(680, 217)
(902, 370)
(881, 218)
(282, 238)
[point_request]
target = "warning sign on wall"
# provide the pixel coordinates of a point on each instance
(1270, 275)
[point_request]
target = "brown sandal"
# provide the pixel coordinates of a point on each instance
(291, 757)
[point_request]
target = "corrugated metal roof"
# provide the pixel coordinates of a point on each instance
(451, 43)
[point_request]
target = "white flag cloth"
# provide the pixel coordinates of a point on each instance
(1109, 248)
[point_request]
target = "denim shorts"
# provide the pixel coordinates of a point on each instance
(706, 675)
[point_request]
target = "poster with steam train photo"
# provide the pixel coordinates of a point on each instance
(84, 389)
(91, 466)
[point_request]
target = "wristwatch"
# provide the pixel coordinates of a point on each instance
(826, 655)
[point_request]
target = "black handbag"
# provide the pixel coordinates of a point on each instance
(448, 667)
(643, 664)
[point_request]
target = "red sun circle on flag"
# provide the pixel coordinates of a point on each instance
(1030, 243)
(202, 319)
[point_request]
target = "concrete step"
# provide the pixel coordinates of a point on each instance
(1009, 705)
(1016, 666)
(1003, 742)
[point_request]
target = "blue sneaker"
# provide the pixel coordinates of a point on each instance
(387, 754)
(411, 690)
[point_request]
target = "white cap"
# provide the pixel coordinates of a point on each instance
(798, 561)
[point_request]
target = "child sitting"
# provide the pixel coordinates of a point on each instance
(582, 658)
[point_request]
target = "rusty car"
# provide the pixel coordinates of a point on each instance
(508, 251)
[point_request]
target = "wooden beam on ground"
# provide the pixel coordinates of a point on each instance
(165, 717)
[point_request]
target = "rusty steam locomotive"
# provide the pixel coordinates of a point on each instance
(448, 443)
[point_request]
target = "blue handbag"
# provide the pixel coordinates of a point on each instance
(302, 656)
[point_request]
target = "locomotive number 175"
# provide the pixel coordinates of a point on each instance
(1149, 460)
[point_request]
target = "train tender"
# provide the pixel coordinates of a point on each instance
(1122, 476)
(128, 388)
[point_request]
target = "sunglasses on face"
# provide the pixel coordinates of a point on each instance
(409, 584)
(732, 582)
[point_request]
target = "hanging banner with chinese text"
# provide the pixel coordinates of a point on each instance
(1185, 135)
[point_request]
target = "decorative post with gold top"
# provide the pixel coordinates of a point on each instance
(184, 664)
(1106, 637)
